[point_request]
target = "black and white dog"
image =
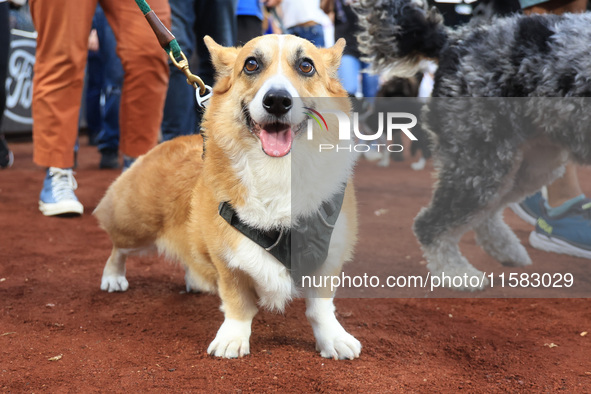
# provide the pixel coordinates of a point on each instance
(484, 163)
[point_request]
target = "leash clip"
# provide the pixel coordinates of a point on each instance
(202, 100)
(183, 65)
(203, 91)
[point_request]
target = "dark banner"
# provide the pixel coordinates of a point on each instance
(19, 82)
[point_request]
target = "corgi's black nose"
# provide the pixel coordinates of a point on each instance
(277, 101)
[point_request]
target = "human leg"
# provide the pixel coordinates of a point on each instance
(566, 187)
(349, 73)
(63, 27)
(312, 33)
(180, 108)
(249, 27)
(567, 209)
(553, 6)
(369, 83)
(216, 18)
(108, 139)
(94, 83)
(145, 78)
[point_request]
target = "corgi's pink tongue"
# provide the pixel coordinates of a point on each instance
(276, 143)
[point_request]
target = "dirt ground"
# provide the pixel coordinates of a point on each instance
(154, 336)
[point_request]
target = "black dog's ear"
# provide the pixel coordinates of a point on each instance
(223, 58)
(395, 35)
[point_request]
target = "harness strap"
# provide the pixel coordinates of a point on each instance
(278, 243)
(310, 237)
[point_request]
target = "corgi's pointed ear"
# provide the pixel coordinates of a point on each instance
(332, 56)
(223, 58)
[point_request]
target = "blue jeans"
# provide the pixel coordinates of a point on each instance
(180, 107)
(105, 73)
(216, 18)
(314, 34)
(349, 72)
(94, 87)
(190, 19)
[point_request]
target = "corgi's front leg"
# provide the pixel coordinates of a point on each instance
(239, 306)
(332, 341)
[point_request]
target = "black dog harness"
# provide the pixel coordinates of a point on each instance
(309, 239)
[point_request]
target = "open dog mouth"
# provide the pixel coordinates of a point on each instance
(276, 137)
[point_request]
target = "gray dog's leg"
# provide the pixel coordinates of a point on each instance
(444, 259)
(466, 197)
(499, 241)
(456, 207)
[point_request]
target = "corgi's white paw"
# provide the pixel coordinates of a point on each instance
(339, 346)
(232, 340)
(112, 283)
(332, 341)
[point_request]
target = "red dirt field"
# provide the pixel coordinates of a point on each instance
(153, 338)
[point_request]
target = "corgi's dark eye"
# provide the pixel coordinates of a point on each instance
(306, 67)
(251, 65)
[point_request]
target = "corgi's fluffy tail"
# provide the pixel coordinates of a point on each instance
(397, 34)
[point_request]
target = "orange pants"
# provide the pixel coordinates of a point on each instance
(63, 27)
(557, 7)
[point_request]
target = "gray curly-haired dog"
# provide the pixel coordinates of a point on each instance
(486, 161)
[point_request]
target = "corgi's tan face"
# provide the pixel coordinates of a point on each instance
(266, 84)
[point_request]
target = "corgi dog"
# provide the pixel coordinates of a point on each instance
(170, 199)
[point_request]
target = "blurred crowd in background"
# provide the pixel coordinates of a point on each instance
(99, 73)
(229, 22)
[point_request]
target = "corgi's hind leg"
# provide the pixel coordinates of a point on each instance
(199, 281)
(114, 273)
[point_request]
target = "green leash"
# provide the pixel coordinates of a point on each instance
(169, 43)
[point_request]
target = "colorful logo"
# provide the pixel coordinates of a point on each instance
(315, 115)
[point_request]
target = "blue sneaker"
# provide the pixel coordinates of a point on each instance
(566, 233)
(57, 196)
(530, 209)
